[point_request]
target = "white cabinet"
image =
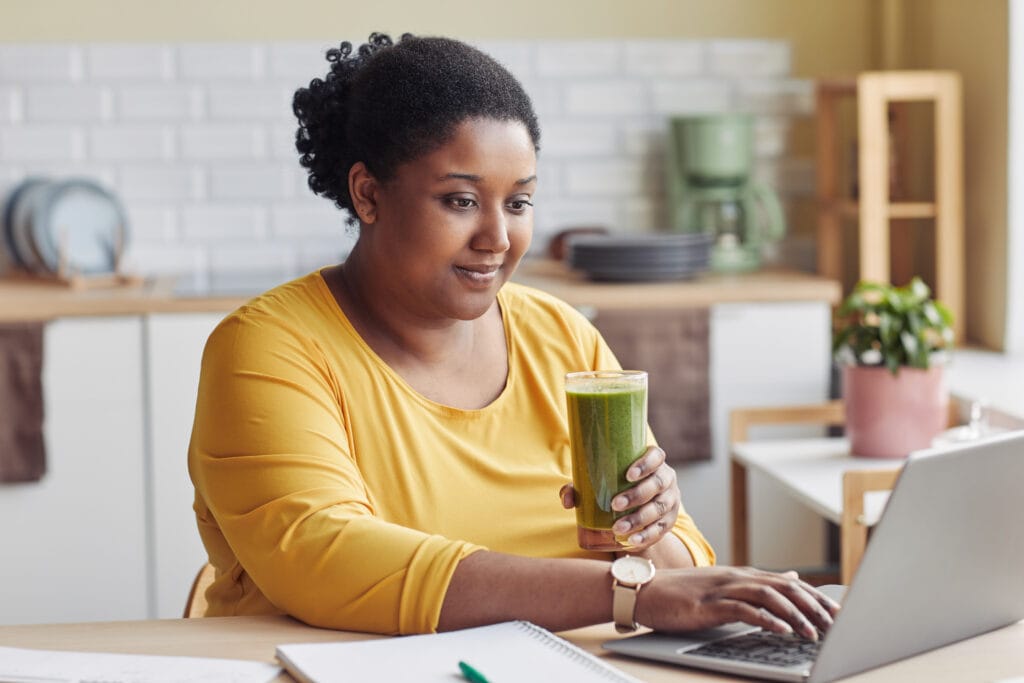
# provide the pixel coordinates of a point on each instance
(761, 355)
(74, 543)
(174, 344)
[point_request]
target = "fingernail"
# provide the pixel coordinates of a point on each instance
(620, 503)
(621, 526)
(636, 539)
(634, 473)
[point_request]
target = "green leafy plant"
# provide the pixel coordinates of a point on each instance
(880, 324)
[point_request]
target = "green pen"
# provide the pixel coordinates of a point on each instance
(471, 674)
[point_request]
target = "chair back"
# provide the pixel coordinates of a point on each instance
(196, 604)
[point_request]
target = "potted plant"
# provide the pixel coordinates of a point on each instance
(892, 344)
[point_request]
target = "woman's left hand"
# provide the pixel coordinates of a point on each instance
(655, 497)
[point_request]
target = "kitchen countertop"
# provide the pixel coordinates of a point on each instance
(25, 299)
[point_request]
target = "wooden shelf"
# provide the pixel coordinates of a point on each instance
(848, 208)
(880, 125)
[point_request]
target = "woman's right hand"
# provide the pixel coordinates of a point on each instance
(691, 599)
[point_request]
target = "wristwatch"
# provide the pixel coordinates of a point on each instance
(629, 574)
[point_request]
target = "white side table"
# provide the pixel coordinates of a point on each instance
(820, 473)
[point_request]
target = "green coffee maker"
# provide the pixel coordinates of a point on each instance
(711, 189)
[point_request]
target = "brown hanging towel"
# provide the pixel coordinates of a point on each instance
(22, 449)
(673, 347)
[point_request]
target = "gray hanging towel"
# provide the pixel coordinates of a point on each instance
(22, 448)
(672, 346)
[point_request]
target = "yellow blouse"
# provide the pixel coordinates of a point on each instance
(327, 488)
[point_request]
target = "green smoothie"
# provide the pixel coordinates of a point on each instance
(607, 433)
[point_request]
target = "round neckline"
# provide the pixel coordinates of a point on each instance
(503, 310)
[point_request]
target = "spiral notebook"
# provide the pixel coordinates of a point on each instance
(510, 652)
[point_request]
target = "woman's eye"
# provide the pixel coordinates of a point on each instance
(461, 202)
(519, 205)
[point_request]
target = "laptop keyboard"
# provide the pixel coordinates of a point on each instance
(762, 647)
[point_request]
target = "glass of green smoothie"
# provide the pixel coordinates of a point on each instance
(607, 433)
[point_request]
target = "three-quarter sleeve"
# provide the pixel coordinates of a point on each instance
(272, 460)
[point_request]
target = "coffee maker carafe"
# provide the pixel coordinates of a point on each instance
(711, 189)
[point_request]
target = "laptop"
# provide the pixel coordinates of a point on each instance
(943, 564)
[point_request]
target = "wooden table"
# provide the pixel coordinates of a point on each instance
(821, 474)
(985, 658)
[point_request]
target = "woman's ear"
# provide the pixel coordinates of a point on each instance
(362, 187)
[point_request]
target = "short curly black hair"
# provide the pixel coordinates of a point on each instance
(388, 103)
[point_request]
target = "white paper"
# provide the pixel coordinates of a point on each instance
(20, 665)
(511, 652)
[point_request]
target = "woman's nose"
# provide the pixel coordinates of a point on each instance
(493, 232)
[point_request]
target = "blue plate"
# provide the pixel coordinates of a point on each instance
(80, 227)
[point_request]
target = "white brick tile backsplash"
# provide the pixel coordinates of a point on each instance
(40, 63)
(262, 181)
(792, 97)
(172, 103)
(165, 182)
(298, 63)
(281, 142)
(517, 57)
(138, 61)
(664, 58)
(606, 98)
(315, 217)
(619, 178)
(50, 103)
(242, 222)
(271, 258)
(12, 105)
(221, 61)
(104, 174)
(168, 259)
(547, 98)
(567, 213)
(746, 58)
(698, 96)
(313, 254)
(579, 58)
(222, 141)
(42, 142)
(571, 139)
(644, 214)
(644, 138)
(239, 103)
(135, 142)
(198, 138)
(150, 223)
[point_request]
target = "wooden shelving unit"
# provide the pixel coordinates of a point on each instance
(874, 210)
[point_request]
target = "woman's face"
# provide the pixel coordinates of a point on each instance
(451, 226)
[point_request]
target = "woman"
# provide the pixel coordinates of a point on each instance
(378, 446)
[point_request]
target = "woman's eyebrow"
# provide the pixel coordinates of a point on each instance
(472, 177)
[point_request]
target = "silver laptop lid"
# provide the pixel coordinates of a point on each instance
(943, 564)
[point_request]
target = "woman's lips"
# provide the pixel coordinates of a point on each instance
(479, 275)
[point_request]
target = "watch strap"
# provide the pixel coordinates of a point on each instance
(624, 607)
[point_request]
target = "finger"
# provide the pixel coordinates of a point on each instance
(726, 611)
(652, 459)
(764, 594)
(822, 607)
(651, 534)
(806, 597)
(568, 495)
(661, 479)
(664, 506)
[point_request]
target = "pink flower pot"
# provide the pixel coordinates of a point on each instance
(888, 416)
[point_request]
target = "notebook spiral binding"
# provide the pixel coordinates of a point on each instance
(576, 654)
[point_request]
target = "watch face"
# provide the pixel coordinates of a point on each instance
(632, 570)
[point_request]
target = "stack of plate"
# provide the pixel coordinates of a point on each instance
(65, 226)
(637, 258)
